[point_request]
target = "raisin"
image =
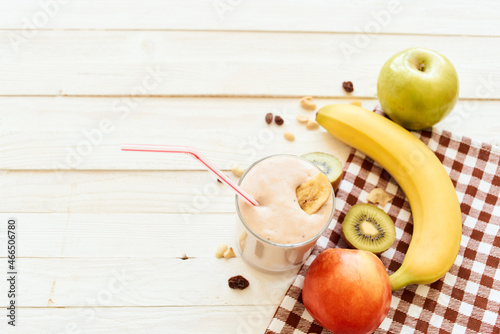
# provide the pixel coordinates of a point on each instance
(278, 120)
(238, 282)
(269, 118)
(348, 87)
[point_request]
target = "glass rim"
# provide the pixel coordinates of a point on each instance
(315, 237)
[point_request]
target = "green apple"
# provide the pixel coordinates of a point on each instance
(417, 88)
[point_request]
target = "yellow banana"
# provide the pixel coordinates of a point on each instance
(437, 220)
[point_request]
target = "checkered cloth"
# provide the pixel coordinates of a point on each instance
(467, 298)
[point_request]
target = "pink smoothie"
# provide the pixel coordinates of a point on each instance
(279, 218)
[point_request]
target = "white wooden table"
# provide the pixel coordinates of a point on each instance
(102, 233)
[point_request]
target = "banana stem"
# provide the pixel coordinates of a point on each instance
(398, 280)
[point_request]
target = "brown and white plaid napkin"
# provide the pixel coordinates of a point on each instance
(467, 298)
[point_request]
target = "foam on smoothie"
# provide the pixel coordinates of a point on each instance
(279, 218)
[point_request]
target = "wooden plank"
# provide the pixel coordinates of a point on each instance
(106, 191)
(143, 320)
(119, 235)
(462, 17)
(141, 282)
(65, 133)
(46, 133)
(176, 63)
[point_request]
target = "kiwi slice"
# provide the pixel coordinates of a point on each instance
(329, 165)
(368, 228)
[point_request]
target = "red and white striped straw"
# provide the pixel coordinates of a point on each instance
(192, 151)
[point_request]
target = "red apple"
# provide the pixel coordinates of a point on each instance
(347, 291)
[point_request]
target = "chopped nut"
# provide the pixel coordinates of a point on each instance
(348, 87)
(221, 249)
(302, 118)
(238, 282)
(312, 125)
(269, 118)
(379, 196)
(278, 120)
(289, 136)
(229, 253)
(237, 171)
(356, 103)
(242, 239)
(307, 103)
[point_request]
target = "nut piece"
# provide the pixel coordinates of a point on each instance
(237, 171)
(269, 118)
(307, 103)
(312, 194)
(302, 118)
(348, 87)
(238, 282)
(379, 196)
(278, 120)
(229, 253)
(221, 249)
(312, 125)
(242, 239)
(289, 136)
(356, 103)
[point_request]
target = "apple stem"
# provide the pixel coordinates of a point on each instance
(422, 67)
